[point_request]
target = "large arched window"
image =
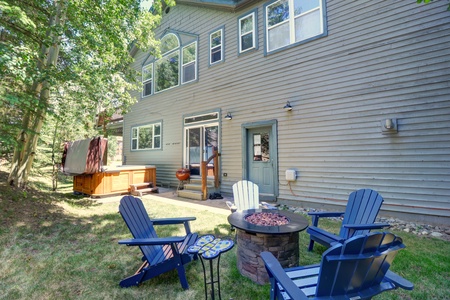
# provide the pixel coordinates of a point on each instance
(178, 65)
(167, 68)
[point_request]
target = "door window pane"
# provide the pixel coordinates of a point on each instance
(265, 153)
(211, 137)
(193, 150)
(261, 147)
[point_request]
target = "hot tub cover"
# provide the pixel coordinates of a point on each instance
(84, 156)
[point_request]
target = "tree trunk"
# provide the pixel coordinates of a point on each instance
(34, 118)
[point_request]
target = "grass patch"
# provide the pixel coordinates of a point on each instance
(59, 246)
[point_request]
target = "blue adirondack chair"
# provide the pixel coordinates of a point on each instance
(357, 269)
(161, 254)
(359, 217)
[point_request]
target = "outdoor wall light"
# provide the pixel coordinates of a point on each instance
(389, 126)
(228, 116)
(288, 106)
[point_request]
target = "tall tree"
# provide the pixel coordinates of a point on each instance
(58, 55)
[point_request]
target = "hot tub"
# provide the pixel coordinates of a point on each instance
(113, 180)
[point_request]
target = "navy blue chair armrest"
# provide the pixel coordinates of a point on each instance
(170, 221)
(280, 276)
(349, 229)
(152, 241)
(173, 221)
(323, 214)
(367, 226)
(398, 280)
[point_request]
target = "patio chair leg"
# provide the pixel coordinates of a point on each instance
(182, 275)
(311, 245)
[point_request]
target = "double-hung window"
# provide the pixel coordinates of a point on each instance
(247, 33)
(147, 80)
(293, 21)
(216, 46)
(146, 137)
(189, 66)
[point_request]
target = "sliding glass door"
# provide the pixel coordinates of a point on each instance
(199, 145)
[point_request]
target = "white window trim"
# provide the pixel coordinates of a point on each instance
(146, 81)
(176, 50)
(195, 63)
(179, 75)
(211, 48)
(137, 128)
(253, 31)
(291, 21)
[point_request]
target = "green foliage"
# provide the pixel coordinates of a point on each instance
(63, 62)
(112, 148)
(167, 71)
(428, 1)
(60, 246)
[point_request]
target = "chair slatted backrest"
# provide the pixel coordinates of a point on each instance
(358, 264)
(362, 208)
(135, 216)
(246, 195)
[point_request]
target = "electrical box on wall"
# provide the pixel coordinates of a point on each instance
(291, 175)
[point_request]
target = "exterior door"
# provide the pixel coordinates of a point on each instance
(261, 154)
(200, 141)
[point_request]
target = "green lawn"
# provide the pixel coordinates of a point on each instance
(58, 246)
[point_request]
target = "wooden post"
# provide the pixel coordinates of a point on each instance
(203, 167)
(204, 180)
(216, 168)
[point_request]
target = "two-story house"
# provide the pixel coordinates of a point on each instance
(310, 99)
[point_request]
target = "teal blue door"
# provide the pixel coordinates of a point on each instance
(261, 148)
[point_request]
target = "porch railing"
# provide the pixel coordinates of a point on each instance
(204, 164)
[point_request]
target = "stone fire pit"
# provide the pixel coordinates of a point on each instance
(266, 230)
(267, 219)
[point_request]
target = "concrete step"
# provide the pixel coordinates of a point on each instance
(190, 194)
(146, 190)
(198, 180)
(196, 186)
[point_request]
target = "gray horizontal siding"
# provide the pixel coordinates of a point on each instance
(381, 59)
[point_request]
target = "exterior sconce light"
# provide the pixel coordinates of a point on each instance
(228, 116)
(288, 106)
(389, 126)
